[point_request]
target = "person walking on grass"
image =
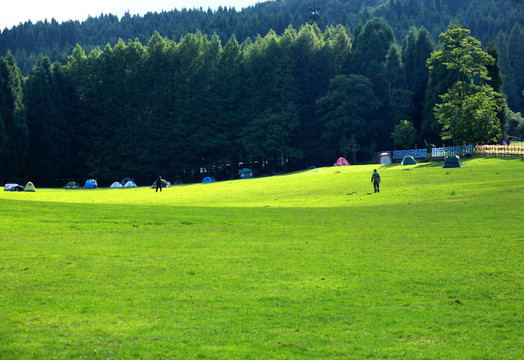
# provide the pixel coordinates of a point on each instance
(375, 179)
(159, 184)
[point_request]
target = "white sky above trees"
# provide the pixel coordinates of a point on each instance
(13, 12)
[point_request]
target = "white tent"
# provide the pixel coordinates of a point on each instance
(13, 187)
(384, 158)
(116, 184)
(130, 184)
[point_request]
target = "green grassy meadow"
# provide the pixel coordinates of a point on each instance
(311, 265)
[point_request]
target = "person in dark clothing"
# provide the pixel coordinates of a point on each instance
(375, 179)
(159, 184)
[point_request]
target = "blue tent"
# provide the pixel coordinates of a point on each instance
(246, 173)
(124, 180)
(207, 180)
(90, 184)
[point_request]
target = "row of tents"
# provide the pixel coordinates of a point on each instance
(93, 184)
(124, 183)
(451, 161)
(89, 184)
(29, 187)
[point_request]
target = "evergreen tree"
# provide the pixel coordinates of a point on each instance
(46, 128)
(14, 134)
(495, 78)
(308, 61)
(346, 111)
(373, 43)
(515, 80)
(272, 109)
(398, 97)
(230, 103)
(417, 47)
(159, 129)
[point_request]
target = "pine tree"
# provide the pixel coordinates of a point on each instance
(14, 136)
(416, 49)
(346, 111)
(45, 132)
(230, 103)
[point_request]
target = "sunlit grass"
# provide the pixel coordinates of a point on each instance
(308, 265)
(322, 187)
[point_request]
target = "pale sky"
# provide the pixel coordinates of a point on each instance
(13, 12)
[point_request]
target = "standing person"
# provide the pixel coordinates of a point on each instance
(159, 184)
(375, 179)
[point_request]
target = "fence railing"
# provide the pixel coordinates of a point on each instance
(500, 150)
(416, 153)
(400, 154)
(491, 150)
(452, 150)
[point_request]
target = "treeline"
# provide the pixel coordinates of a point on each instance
(488, 20)
(303, 98)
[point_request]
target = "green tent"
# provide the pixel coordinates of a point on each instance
(72, 185)
(452, 161)
(29, 187)
(408, 160)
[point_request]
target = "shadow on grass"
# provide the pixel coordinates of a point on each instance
(431, 164)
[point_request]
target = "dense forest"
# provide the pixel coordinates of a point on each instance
(487, 20)
(174, 101)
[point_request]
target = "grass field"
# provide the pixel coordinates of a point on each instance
(309, 265)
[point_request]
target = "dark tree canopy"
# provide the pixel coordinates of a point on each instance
(283, 100)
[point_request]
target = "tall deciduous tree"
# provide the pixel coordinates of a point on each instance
(404, 134)
(460, 52)
(468, 112)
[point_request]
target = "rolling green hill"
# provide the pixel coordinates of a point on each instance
(302, 266)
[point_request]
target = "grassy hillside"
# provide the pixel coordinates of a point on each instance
(309, 265)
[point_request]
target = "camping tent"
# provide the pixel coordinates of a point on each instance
(452, 161)
(384, 158)
(246, 173)
(13, 187)
(124, 180)
(116, 184)
(341, 162)
(207, 179)
(165, 184)
(72, 185)
(408, 160)
(130, 184)
(90, 184)
(29, 187)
